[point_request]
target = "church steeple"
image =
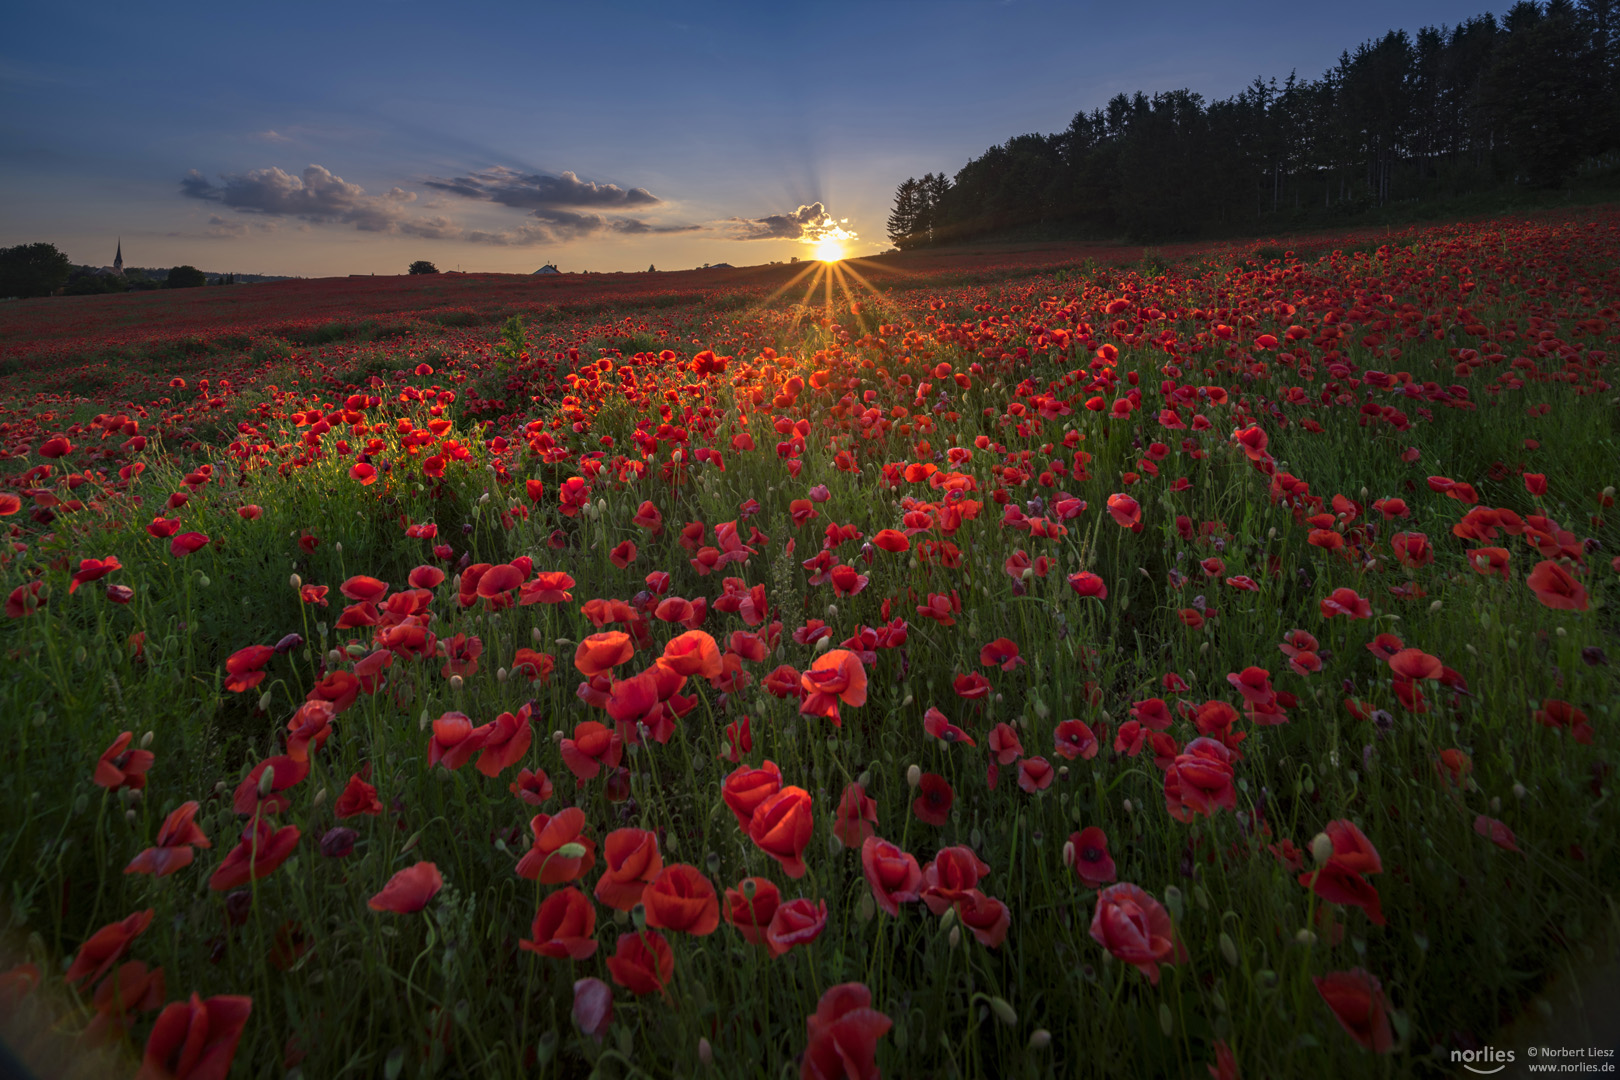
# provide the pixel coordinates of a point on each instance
(118, 260)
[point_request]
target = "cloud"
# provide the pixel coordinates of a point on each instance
(539, 191)
(317, 196)
(808, 224)
(561, 226)
(272, 136)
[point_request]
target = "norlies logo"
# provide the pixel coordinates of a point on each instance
(1484, 1062)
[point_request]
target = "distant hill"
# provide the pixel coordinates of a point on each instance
(161, 273)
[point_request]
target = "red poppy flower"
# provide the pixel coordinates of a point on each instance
(692, 653)
(120, 767)
(797, 922)
(752, 915)
(104, 948)
(455, 740)
(987, 918)
(856, 815)
(642, 962)
(781, 827)
(835, 676)
(1085, 583)
(948, 877)
(893, 874)
(409, 890)
(1496, 832)
(533, 788)
(1086, 854)
(261, 849)
(934, 797)
(1345, 602)
(1002, 653)
(1035, 774)
(358, 798)
(1074, 739)
(93, 570)
(1199, 780)
(681, 898)
(1125, 510)
(631, 859)
(547, 588)
(173, 849)
(603, 652)
(128, 990)
(1339, 880)
(288, 772)
(892, 540)
(593, 1007)
(1357, 1001)
(563, 927)
(1560, 715)
(560, 852)
(938, 726)
(196, 1039)
(971, 687)
(187, 543)
(843, 1035)
(505, 741)
(1135, 928)
(1556, 587)
(593, 746)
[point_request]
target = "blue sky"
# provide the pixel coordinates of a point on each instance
(336, 138)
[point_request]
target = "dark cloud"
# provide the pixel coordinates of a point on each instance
(561, 226)
(539, 191)
(808, 223)
(316, 196)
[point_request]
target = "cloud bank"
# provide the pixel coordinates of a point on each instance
(808, 224)
(538, 191)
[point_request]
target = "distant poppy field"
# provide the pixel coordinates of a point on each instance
(1180, 667)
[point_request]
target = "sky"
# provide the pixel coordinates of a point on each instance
(322, 139)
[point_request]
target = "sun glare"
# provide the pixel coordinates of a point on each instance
(829, 250)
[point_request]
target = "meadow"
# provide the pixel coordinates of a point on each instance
(1128, 664)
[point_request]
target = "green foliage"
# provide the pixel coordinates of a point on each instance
(32, 270)
(422, 266)
(514, 343)
(186, 277)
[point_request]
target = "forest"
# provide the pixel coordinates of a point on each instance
(1526, 100)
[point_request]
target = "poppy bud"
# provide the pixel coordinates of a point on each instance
(1068, 854)
(1496, 803)
(907, 702)
(296, 582)
(638, 914)
(868, 907)
(146, 740)
(535, 635)
(956, 936)
(913, 775)
(1518, 791)
(1434, 607)
(823, 644)
(131, 816)
(1004, 1011)
(1167, 1023)
(202, 579)
(423, 721)
(1305, 937)
(1126, 805)
(455, 683)
(947, 920)
(1229, 950)
(1218, 1001)
(264, 701)
(500, 675)
(320, 798)
(1040, 1039)
(338, 547)
(705, 1052)
(1321, 849)
(267, 781)
(334, 658)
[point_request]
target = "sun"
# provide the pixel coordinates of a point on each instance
(829, 250)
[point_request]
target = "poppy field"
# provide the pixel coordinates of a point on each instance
(1130, 670)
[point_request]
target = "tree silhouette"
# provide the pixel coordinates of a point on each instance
(32, 270)
(422, 266)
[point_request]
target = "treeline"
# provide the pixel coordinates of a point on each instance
(1524, 100)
